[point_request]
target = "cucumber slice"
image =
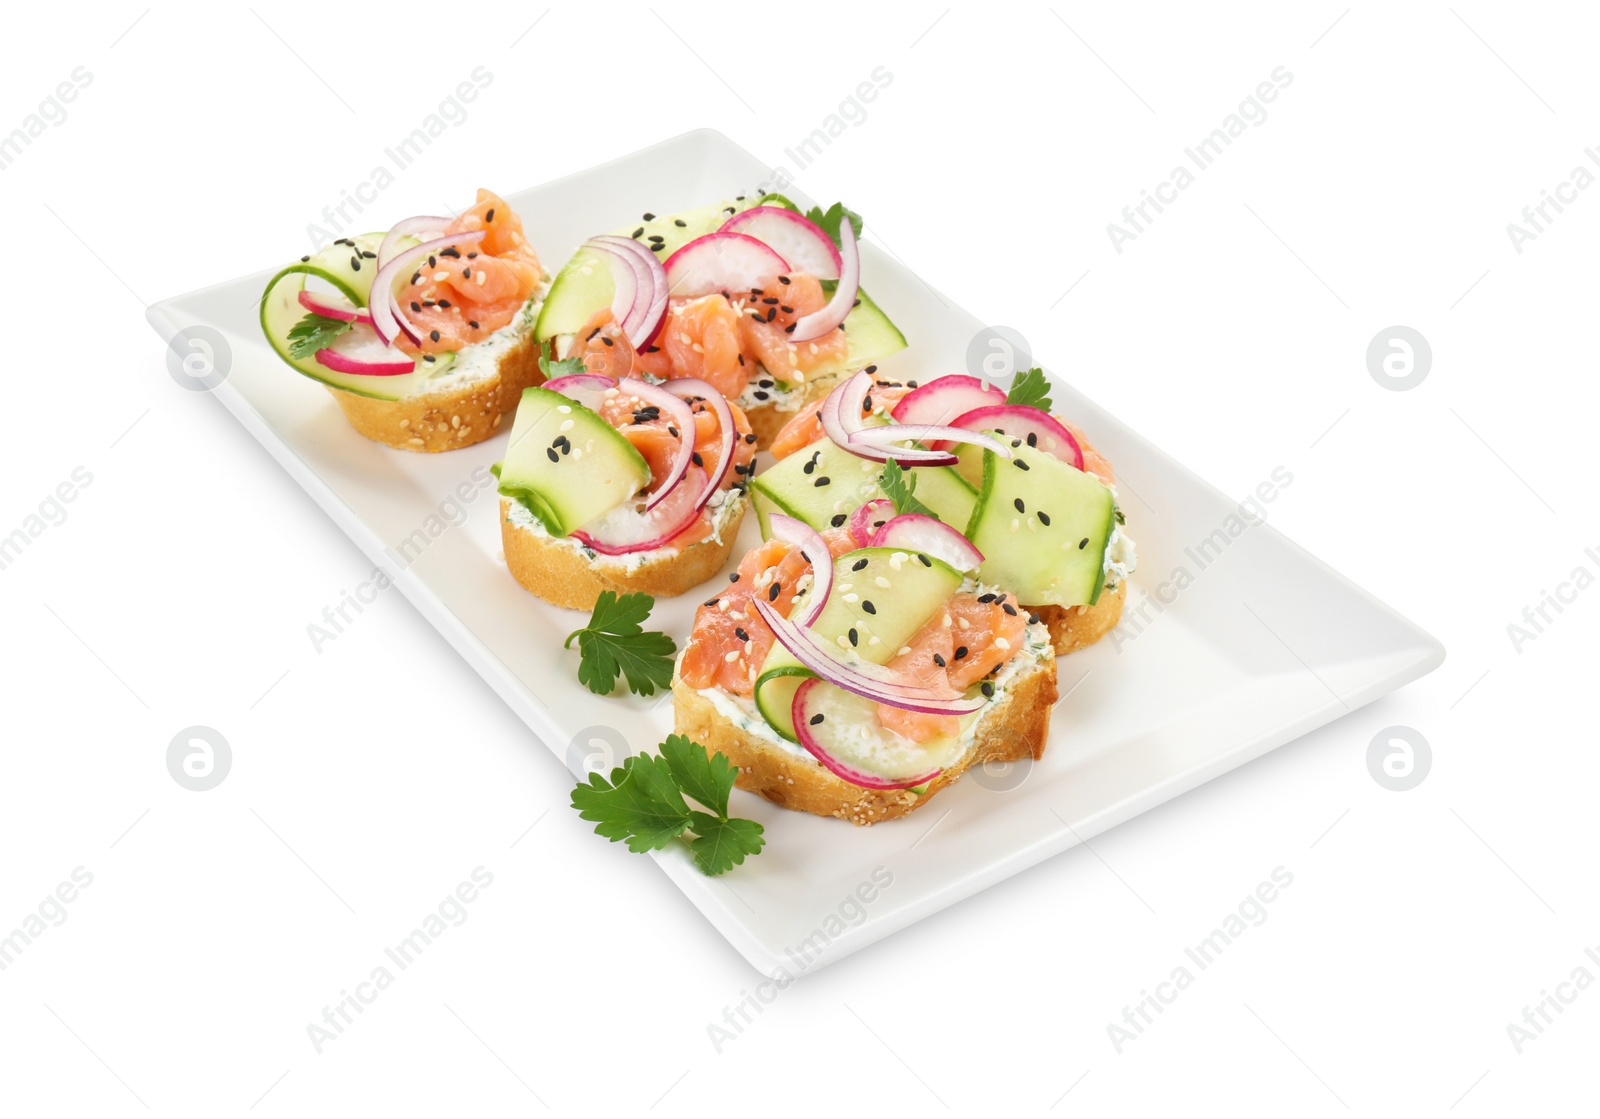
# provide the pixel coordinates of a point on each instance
(1061, 563)
(350, 274)
(597, 472)
(788, 487)
(896, 613)
(845, 728)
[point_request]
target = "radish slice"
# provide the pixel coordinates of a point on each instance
(868, 519)
(942, 399)
(834, 725)
(361, 350)
(650, 300)
(842, 421)
(678, 411)
(870, 681)
(792, 235)
(811, 544)
(918, 532)
(818, 323)
(331, 305)
(1039, 428)
(386, 316)
(627, 529)
(625, 286)
(725, 262)
(690, 388)
(588, 389)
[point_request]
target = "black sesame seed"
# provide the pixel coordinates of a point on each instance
(815, 719)
(855, 638)
(986, 598)
(760, 394)
(751, 438)
(1033, 619)
(1010, 609)
(770, 301)
(1018, 506)
(839, 519)
(649, 217)
(489, 216)
(822, 481)
(433, 262)
(867, 402)
(911, 384)
(472, 256)
(866, 604)
(734, 578)
(1020, 464)
(427, 357)
(1082, 544)
(637, 233)
(870, 369)
(988, 690)
(355, 263)
(772, 313)
(552, 453)
(696, 459)
(711, 602)
(783, 279)
(434, 334)
(680, 223)
(741, 634)
(590, 336)
(672, 431)
(938, 660)
(773, 591)
(445, 303)
(810, 467)
(924, 560)
(859, 564)
(606, 341)
(451, 252)
(1044, 519)
(415, 307)
(304, 259)
(961, 651)
(790, 328)
(473, 324)
(786, 310)
(1033, 439)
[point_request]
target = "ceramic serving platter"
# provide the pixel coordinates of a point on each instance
(1253, 641)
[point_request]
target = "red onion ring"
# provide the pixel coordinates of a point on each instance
(386, 316)
(811, 544)
(625, 280)
(652, 288)
(693, 386)
(679, 411)
(818, 323)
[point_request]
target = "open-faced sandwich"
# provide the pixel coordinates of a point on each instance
(621, 485)
(424, 334)
(855, 672)
(753, 296)
(1026, 487)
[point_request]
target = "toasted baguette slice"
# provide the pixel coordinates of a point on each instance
(1077, 627)
(767, 418)
(448, 420)
(1014, 726)
(564, 573)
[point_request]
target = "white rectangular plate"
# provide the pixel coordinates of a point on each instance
(1264, 645)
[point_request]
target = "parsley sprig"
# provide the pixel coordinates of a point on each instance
(900, 487)
(314, 332)
(1031, 389)
(566, 367)
(614, 642)
(642, 803)
(831, 218)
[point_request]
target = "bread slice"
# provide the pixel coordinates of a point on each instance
(565, 574)
(1077, 627)
(767, 418)
(452, 419)
(1014, 726)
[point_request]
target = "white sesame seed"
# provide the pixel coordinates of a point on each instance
(566, 425)
(1015, 524)
(873, 640)
(881, 581)
(961, 623)
(1001, 643)
(851, 597)
(733, 655)
(904, 649)
(564, 409)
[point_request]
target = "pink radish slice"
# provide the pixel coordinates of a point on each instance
(942, 399)
(332, 306)
(588, 389)
(723, 262)
(793, 236)
(683, 419)
(627, 529)
(690, 387)
(818, 323)
(811, 544)
(361, 350)
(623, 282)
(865, 521)
(918, 532)
(387, 318)
(863, 678)
(827, 739)
(651, 297)
(1039, 429)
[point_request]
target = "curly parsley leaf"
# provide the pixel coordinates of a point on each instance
(1031, 389)
(313, 333)
(614, 642)
(567, 367)
(900, 487)
(720, 844)
(642, 804)
(706, 778)
(831, 218)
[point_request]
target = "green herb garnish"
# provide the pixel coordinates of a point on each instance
(614, 642)
(1031, 389)
(315, 332)
(642, 803)
(900, 487)
(567, 367)
(831, 218)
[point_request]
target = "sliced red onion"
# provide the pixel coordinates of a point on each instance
(626, 529)
(331, 305)
(588, 389)
(866, 520)
(870, 681)
(793, 236)
(1019, 422)
(889, 434)
(818, 323)
(824, 742)
(688, 387)
(679, 412)
(791, 530)
(625, 285)
(386, 315)
(724, 262)
(842, 421)
(918, 532)
(942, 399)
(650, 298)
(361, 350)
(406, 227)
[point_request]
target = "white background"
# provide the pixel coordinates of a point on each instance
(369, 780)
